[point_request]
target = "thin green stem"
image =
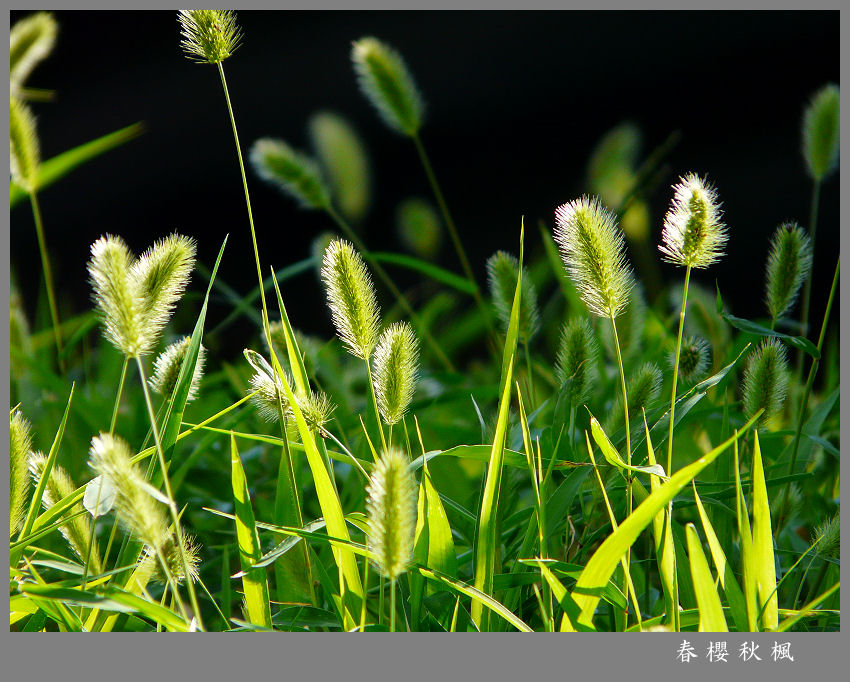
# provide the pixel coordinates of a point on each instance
(247, 202)
(365, 592)
(531, 399)
(392, 605)
(118, 395)
(172, 584)
(375, 403)
(172, 507)
(48, 277)
(388, 282)
(801, 414)
(453, 233)
(381, 601)
(807, 287)
(676, 371)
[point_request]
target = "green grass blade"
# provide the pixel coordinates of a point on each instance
(486, 548)
(59, 166)
(763, 544)
(731, 588)
(748, 560)
(254, 581)
(791, 621)
(603, 562)
(428, 269)
(296, 361)
(613, 457)
(711, 618)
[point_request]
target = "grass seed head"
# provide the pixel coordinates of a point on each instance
(694, 234)
(593, 250)
(766, 380)
(137, 510)
(576, 359)
(76, 531)
(19, 450)
(316, 408)
(821, 128)
(391, 507)
(294, 173)
(789, 264)
(31, 40)
(343, 156)
(208, 35)
(693, 358)
(351, 298)
(167, 366)
(828, 535)
(171, 554)
(502, 274)
(419, 227)
(395, 371)
(24, 157)
(271, 400)
(644, 388)
(386, 81)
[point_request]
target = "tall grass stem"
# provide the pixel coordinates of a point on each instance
(676, 370)
(807, 286)
(48, 278)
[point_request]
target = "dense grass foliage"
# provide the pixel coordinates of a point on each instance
(548, 450)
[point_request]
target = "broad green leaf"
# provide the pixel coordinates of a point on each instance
(486, 537)
(711, 617)
(603, 562)
(751, 327)
(59, 166)
(763, 544)
(737, 603)
(254, 582)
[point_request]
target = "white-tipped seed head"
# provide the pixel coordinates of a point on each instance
(386, 81)
(351, 298)
(270, 400)
(343, 157)
(167, 366)
(766, 380)
(502, 275)
(208, 35)
(137, 510)
(294, 173)
(31, 40)
(171, 555)
(395, 371)
(821, 130)
(19, 450)
(694, 234)
(391, 507)
(789, 264)
(594, 254)
(24, 157)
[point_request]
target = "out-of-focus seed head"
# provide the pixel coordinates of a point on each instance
(576, 359)
(31, 40)
(292, 172)
(19, 451)
(789, 264)
(391, 507)
(419, 227)
(502, 275)
(766, 380)
(693, 358)
(24, 158)
(821, 128)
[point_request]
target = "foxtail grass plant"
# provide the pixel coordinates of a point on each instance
(694, 236)
(20, 444)
(789, 264)
(31, 40)
(395, 372)
(391, 507)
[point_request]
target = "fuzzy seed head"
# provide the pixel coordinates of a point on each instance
(789, 264)
(138, 512)
(316, 408)
(171, 554)
(419, 227)
(386, 81)
(395, 371)
(630, 326)
(23, 146)
(271, 400)
(343, 157)
(167, 366)
(693, 235)
(351, 298)
(292, 172)
(644, 388)
(576, 359)
(208, 35)
(829, 537)
(593, 251)
(19, 451)
(766, 380)
(821, 128)
(693, 358)
(502, 274)
(59, 485)
(30, 41)
(391, 507)
(137, 296)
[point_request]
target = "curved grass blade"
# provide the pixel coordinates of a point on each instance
(763, 544)
(428, 269)
(711, 618)
(601, 565)
(254, 581)
(747, 557)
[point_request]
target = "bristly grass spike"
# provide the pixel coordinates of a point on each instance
(789, 264)
(821, 128)
(208, 35)
(766, 380)
(694, 234)
(395, 371)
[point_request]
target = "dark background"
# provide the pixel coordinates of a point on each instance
(516, 101)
